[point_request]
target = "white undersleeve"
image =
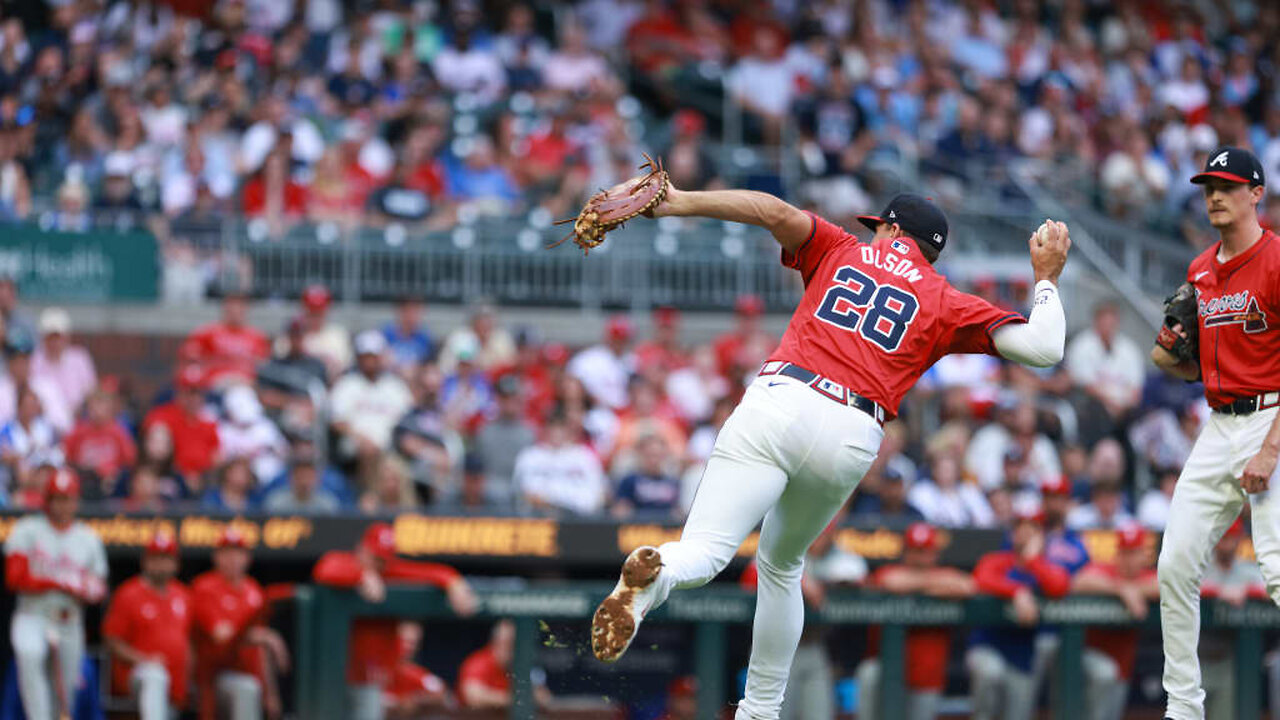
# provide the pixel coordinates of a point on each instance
(1040, 341)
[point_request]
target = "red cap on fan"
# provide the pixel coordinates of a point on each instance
(232, 537)
(1131, 537)
(683, 686)
(666, 316)
(316, 297)
(62, 483)
(190, 377)
(920, 536)
(1058, 485)
(618, 327)
(749, 305)
(163, 542)
(380, 540)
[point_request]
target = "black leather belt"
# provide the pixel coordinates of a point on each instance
(826, 387)
(1244, 406)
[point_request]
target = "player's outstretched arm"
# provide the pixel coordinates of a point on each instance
(790, 225)
(1041, 341)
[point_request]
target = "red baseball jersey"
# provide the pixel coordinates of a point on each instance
(152, 622)
(220, 608)
(374, 648)
(481, 667)
(411, 681)
(1239, 320)
(875, 316)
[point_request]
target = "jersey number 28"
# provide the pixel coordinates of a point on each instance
(879, 313)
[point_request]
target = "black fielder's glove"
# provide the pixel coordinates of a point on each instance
(1181, 308)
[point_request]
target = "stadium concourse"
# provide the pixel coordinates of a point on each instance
(159, 116)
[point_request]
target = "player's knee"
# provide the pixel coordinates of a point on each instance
(29, 647)
(984, 665)
(781, 573)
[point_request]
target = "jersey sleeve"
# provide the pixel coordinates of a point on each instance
(970, 321)
(116, 623)
(823, 235)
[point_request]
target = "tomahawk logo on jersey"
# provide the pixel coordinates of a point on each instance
(875, 316)
(1239, 343)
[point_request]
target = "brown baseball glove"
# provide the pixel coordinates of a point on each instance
(609, 209)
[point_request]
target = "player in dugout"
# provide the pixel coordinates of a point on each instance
(374, 649)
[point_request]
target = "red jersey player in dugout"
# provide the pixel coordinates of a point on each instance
(874, 317)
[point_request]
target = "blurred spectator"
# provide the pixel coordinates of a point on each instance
(425, 437)
(392, 491)
(501, 441)
(1000, 659)
(889, 505)
(650, 489)
(466, 395)
(648, 412)
(246, 432)
(559, 474)
(118, 199)
(326, 341)
(234, 490)
(1111, 653)
(408, 340)
(497, 348)
(1153, 509)
(484, 679)
(303, 494)
(100, 446)
(66, 366)
(664, 350)
(573, 68)
(1062, 544)
(365, 405)
(230, 350)
(273, 194)
(468, 67)
(946, 500)
(294, 365)
(1015, 426)
(604, 369)
(1105, 509)
(763, 85)
(1232, 580)
(737, 349)
(400, 200)
(1106, 365)
(481, 180)
(144, 492)
(682, 699)
(1163, 437)
(29, 441)
(192, 434)
(13, 315)
(927, 648)
(413, 689)
(689, 162)
(18, 348)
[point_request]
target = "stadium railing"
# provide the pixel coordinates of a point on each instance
(324, 617)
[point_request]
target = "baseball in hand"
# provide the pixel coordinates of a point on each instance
(1042, 234)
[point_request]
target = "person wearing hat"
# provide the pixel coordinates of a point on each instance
(51, 595)
(414, 689)
(230, 349)
(193, 433)
(66, 366)
(1110, 653)
(664, 350)
(484, 678)
(605, 368)
(735, 347)
(233, 645)
(146, 631)
(326, 341)
(365, 405)
(1001, 660)
(873, 318)
(495, 347)
(927, 648)
(1234, 458)
(303, 494)
(682, 699)
(19, 346)
(373, 648)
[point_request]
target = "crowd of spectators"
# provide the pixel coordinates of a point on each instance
(323, 418)
(395, 112)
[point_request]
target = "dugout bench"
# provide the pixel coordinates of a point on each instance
(324, 617)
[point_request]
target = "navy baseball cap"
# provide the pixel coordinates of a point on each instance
(917, 216)
(1234, 164)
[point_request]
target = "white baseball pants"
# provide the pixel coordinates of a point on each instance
(1206, 500)
(791, 457)
(240, 695)
(1106, 693)
(150, 682)
(921, 705)
(32, 635)
(811, 688)
(998, 689)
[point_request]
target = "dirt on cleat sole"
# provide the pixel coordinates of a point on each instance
(614, 624)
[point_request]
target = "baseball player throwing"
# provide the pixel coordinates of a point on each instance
(55, 565)
(872, 319)
(1233, 300)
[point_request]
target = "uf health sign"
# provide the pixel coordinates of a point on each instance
(89, 266)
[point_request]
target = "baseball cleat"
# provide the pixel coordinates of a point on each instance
(616, 620)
